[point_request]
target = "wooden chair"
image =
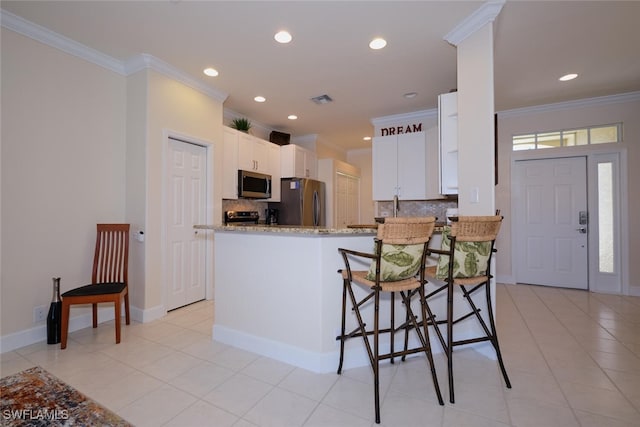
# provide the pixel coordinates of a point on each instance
(108, 280)
(466, 262)
(403, 239)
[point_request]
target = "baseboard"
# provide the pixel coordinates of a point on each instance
(355, 354)
(506, 279)
(38, 333)
(312, 361)
(148, 315)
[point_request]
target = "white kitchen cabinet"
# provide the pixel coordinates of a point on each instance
(230, 164)
(253, 153)
(342, 183)
(400, 167)
(246, 152)
(448, 135)
(298, 162)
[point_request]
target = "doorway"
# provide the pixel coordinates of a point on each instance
(552, 222)
(186, 206)
(549, 191)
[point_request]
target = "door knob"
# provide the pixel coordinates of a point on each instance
(582, 230)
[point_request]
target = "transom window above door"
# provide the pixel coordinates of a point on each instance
(602, 134)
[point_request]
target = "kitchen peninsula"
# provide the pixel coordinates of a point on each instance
(278, 293)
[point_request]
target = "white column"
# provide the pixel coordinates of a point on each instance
(476, 155)
(473, 38)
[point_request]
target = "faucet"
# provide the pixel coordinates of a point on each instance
(396, 206)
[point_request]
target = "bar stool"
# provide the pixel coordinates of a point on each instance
(465, 260)
(397, 266)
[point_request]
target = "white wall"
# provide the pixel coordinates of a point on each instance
(63, 171)
(586, 113)
(175, 107)
(83, 145)
(136, 180)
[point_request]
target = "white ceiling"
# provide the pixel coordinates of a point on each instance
(535, 43)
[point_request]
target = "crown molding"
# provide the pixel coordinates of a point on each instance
(485, 14)
(46, 36)
(146, 61)
(132, 65)
(568, 105)
(416, 115)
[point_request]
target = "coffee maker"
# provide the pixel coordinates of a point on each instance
(271, 216)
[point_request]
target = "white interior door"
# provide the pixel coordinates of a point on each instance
(550, 195)
(187, 206)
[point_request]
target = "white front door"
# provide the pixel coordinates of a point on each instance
(187, 206)
(551, 222)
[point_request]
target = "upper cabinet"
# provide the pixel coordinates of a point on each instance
(230, 164)
(253, 153)
(298, 162)
(246, 152)
(400, 167)
(448, 129)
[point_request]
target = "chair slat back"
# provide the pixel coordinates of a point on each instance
(406, 231)
(476, 228)
(111, 258)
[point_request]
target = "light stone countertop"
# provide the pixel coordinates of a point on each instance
(287, 229)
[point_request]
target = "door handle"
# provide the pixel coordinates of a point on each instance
(582, 230)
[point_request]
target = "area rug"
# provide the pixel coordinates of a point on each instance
(36, 398)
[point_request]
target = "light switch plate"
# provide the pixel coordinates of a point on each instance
(475, 195)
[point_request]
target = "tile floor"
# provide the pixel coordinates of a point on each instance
(573, 358)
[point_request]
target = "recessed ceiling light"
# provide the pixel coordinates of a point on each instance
(568, 77)
(283, 37)
(377, 43)
(211, 72)
(259, 98)
(410, 95)
(292, 117)
(367, 138)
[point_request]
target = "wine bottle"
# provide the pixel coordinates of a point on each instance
(54, 318)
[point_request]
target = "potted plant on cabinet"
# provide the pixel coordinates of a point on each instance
(242, 124)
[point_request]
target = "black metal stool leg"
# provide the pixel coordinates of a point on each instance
(342, 330)
(376, 361)
(494, 337)
(427, 344)
(406, 324)
(393, 324)
(449, 349)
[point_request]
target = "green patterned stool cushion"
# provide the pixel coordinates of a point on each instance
(470, 258)
(398, 262)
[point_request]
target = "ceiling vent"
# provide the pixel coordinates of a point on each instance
(322, 99)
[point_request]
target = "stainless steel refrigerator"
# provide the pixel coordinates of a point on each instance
(301, 202)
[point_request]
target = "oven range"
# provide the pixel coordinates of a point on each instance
(241, 217)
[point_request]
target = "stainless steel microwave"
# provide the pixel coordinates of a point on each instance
(254, 185)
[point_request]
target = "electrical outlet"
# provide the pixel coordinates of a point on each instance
(40, 314)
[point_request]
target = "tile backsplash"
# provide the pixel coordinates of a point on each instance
(411, 208)
(436, 208)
